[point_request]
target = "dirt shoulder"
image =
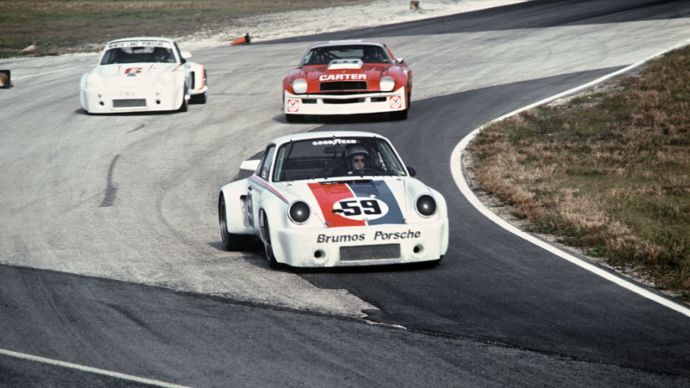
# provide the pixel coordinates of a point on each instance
(606, 171)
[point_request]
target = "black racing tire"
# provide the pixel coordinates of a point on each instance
(402, 115)
(183, 105)
(199, 98)
(266, 238)
(231, 242)
(290, 118)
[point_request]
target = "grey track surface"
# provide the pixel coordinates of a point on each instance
(132, 198)
(203, 341)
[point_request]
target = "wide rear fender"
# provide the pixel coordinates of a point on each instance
(236, 207)
(199, 77)
(275, 209)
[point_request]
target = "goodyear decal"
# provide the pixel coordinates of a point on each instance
(357, 204)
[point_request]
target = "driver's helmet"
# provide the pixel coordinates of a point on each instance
(356, 150)
(160, 54)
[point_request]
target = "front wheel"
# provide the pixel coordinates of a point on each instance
(291, 118)
(183, 105)
(402, 115)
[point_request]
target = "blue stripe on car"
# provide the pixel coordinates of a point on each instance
(381, 190)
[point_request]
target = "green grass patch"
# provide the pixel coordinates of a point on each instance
(608, 171)
(61, 26)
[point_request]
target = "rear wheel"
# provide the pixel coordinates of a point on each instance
(199, 98)
(268, 249)
(231, 242)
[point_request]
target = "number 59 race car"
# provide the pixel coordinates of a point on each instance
(327, 199)
(142, 74)
(347, 77)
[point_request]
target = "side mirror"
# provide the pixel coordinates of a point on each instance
(186, 54)
(412, 171)
(400, 60)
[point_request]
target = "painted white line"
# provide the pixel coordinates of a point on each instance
(39, 74)
(390, 325)
(88, 369)
(461, 182)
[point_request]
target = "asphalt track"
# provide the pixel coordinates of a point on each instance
(131, 197)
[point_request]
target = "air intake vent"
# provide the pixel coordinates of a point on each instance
(337, 64)
(370, 252)
(343, 86)
(129, 103)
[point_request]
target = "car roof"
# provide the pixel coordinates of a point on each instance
(324, 135)
(346, 43)
(142, 38)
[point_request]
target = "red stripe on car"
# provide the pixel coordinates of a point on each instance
(328, 194)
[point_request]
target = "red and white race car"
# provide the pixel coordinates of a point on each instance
(347, 77)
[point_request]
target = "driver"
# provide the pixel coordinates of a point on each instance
(161, 55)
(357, 157)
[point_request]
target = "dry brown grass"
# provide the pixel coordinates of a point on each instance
(608, 171)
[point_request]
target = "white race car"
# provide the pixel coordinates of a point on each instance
(143, 74)
(326, 199)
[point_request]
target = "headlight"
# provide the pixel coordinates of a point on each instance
(299, 212)
(426, 205)
(299, 85)
(168, 78)
(94, 81)
(386, 84)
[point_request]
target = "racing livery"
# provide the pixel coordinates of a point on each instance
(142, 74)
(347, 77)
(329, 199)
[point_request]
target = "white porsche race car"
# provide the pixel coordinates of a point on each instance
(143, 74)
(327, 199)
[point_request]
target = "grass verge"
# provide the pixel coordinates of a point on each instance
(61, 26)
(607, 171)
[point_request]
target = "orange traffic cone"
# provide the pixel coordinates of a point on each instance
(241, 40)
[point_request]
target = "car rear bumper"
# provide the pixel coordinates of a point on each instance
(361, 246)
(338, 104)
